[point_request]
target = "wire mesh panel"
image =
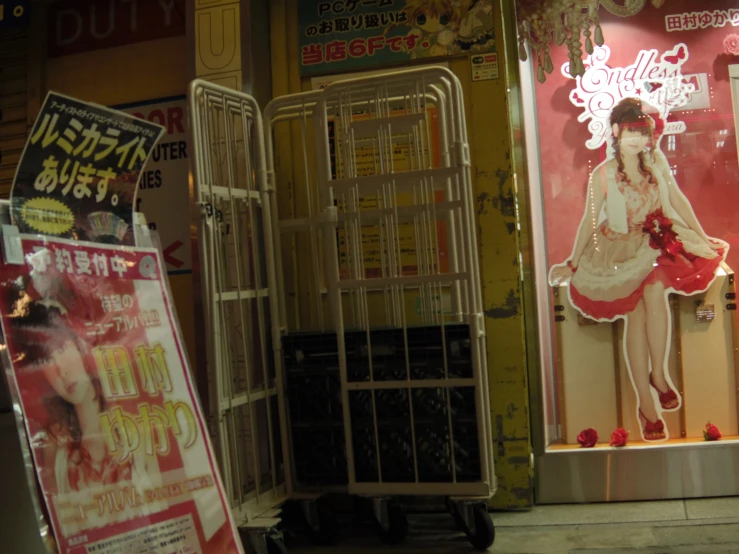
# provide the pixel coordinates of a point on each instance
(296, 224)
(237, 274)
(403, 284)
(309, 352)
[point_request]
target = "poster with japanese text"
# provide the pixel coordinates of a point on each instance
(164, 194)
(121, 452)
(374, 245)
(347, 35)
(79, 172)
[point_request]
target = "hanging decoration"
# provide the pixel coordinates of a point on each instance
(574, 23)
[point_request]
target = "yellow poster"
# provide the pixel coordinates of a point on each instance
(407, 239)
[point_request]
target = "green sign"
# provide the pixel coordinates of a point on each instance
(345, 35)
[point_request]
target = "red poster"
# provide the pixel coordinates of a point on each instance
(119, 443)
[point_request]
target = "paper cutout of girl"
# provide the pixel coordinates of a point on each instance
(639, 240)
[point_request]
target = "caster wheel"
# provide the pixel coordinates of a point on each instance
(458, 519)
(275, 546)
(483, 535)
(397, 525)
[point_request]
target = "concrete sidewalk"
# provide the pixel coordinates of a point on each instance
(671, 527)
(681, 526)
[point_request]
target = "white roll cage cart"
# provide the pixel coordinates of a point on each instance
(381, 387)
(238, 282)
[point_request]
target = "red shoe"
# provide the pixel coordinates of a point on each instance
(669, 399)
(652, 431)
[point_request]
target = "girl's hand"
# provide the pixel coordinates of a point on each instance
(560, 274)
(714, 244)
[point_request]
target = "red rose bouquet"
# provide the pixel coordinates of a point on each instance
(661, 234)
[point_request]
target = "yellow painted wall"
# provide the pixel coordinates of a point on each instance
(499, 207)
(490, 137)
(123, 75)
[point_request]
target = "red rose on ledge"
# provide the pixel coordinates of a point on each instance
(711, 432)
(619, 437)
(731, 44)
(588, 438)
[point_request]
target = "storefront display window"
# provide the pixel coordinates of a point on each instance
(636, 184)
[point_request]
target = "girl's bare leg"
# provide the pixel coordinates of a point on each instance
(658, 321)
(637, 354)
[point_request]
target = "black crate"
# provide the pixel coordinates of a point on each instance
(466, 444)
(394, 435)
(363, 437)
(427, 348)
(432, 435)
(305, 351)
(320, 456)
(316, 409)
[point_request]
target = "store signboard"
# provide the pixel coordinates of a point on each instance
(79, 171)
(706, 19)
(118, 440)
(346, 35)
(163, 196)
(77, 26)
(14, 13)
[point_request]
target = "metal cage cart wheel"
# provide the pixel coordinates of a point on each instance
(395, 341)
(236, 270)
